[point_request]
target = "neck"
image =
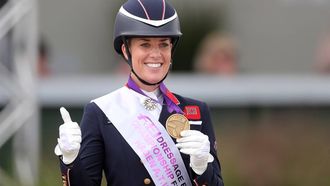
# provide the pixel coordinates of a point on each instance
(148, 88)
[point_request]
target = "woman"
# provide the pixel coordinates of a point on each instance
(141, 134)
(217, 55)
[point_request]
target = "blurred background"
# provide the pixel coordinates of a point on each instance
(262, 66)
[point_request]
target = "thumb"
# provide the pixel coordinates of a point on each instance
(65, 115)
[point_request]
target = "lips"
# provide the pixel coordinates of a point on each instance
(153, 65)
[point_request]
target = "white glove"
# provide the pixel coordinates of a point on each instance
(197, 145)
(70, 138)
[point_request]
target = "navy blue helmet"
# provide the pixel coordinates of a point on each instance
(146, 18)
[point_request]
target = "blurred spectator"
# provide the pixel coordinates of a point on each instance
(43, 58)
(217, 54)
(323, 56)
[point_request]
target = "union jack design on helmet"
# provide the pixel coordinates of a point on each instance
(146, 18)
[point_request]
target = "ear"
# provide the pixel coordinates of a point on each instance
(123, 50)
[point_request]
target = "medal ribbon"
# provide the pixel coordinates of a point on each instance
(170, 100)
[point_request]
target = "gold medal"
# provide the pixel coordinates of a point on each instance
(175, 124)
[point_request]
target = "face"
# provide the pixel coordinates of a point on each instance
(151, 57)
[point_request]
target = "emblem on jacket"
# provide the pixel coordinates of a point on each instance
(192, 112)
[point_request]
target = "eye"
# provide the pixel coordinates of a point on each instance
(164, 45)
(145, 45)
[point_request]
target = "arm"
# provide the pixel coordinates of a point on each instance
(200, 145)
(86, 169)
(212, 175)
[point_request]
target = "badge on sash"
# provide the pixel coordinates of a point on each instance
(175, 124)
(149, 104)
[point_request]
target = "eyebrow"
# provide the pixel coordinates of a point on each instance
(146, 39)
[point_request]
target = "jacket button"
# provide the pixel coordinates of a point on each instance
(147, 181)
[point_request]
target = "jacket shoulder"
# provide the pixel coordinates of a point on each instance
(189, 101)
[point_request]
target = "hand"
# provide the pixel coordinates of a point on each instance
(70, 138)
(197, 145)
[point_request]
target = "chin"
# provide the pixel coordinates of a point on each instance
(154, 79)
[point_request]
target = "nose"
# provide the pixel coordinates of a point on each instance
(155, 52)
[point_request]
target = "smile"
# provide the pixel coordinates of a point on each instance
(154, 65)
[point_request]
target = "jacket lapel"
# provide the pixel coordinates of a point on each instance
(164, 114)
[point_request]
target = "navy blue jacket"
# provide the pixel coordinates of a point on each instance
(104, 149)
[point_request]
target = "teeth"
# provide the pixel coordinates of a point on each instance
(153, 65)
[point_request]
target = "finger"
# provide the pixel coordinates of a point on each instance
(189, 151)
(190, 133)
(70, 126)
(69, 134)
(76, 139)
(191, 139)
(73, 147)
(76, 132)
(190, 145)
(57, 150)
(70, 139)
(210, 158)
(65, 115)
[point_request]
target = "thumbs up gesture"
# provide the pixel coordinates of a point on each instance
(69, 138)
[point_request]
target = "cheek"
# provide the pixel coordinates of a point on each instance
(168, 57)
(137, 58)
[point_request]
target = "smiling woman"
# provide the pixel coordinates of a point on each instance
(151, 60)
(141, 134)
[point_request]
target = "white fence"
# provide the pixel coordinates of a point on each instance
(243, 90)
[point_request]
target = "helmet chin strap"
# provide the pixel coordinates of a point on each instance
(129, 61)
(146, 82)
